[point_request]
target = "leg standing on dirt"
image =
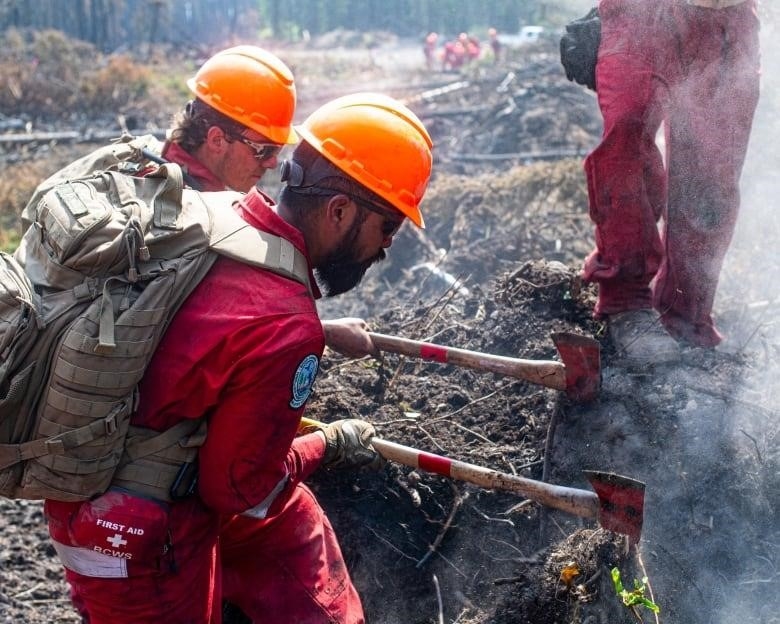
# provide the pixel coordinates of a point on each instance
(693, 66)
(243, 352)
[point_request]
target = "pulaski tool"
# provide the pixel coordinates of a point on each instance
(617, 504)
(578, 373)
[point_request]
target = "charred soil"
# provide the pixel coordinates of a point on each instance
(496, 271)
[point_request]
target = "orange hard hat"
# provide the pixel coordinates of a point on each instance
(251, 86)
(378, 142)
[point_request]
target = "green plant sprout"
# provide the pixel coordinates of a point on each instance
(635, 597)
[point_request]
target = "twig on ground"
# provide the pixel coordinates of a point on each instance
(529, 464)
(456, 503)
(512, 546)
(648, 584)
(474, 401)
(594, 578)
(29, 590)
(448, 296)
(390, 545)
(490, 519)
(438, 599)
(558, 526)
(759, 324)
(412, 492)
(755, 443)
(348, 362)
(518, 507)
(474, 433)
(431, 438)
(548, 442)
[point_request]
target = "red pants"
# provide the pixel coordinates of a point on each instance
(285, 569)
(288, 569)
(697, 71)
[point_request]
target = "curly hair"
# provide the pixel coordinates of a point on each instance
(191, 124)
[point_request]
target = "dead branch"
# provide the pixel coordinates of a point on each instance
(438, 599)
(456, 504)
(755, 443)
(553, 424)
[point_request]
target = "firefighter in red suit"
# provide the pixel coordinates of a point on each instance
(693, 65)
(243, 352)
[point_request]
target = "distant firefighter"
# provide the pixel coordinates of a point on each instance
(429, 49)
(459, 52)
(495, 44)
(473, 48)
(453, 56)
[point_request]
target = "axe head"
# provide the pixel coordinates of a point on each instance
(581, 358)
(621, 503)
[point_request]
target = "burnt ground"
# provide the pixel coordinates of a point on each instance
(496, 271)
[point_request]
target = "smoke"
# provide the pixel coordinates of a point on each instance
(724, 558)
(749, 299)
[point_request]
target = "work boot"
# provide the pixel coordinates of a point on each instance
(640, 338)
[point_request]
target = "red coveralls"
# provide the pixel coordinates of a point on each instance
(243, 350)
(697, 70)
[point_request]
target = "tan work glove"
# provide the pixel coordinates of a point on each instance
(348, 445)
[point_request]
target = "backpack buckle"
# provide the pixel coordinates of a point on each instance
(110, 423)
(86, 290)
(186, 481)
(55, 446)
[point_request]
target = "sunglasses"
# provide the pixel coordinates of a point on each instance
(262, 151)
(392, 222)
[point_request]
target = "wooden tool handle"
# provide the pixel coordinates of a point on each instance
(581, 503)
(543, 372)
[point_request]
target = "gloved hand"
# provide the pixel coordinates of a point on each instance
(348, 445)
(580, 47)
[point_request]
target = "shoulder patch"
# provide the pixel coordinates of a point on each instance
(303, 380)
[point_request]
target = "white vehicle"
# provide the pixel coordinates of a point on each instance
(526, 35)
(530, 34)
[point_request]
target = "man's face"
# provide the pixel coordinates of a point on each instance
(363, 245)
(246, 160)
(342, 270)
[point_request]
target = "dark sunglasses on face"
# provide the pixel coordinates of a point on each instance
(392, 222)
(262, 151)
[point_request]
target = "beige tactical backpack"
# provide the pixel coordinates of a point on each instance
(104, 265)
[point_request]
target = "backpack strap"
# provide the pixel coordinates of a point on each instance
(167, 201)
(51, 450)
(234, 238)
(161, 465)
(253, 246)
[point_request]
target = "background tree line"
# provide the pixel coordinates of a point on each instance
(131, 24)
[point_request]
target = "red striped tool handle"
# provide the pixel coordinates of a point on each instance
(543, 372)
(583, 503)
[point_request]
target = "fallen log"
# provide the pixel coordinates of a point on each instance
(523, 156)
(72, 136)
